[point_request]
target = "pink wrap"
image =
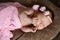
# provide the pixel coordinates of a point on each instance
(8, 20)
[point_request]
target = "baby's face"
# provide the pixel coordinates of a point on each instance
(41, 20)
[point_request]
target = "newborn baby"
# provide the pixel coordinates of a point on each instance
(34, 19)
(16, 16)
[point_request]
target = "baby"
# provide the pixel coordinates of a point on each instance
(16, 16)
(34, 18)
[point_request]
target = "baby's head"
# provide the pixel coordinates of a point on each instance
(33, 19)
(40, 20)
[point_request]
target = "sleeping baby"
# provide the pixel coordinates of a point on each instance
(28, 19)
(34, 18)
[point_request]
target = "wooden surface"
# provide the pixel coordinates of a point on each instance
(57, 37)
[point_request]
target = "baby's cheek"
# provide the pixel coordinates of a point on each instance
(46, 21)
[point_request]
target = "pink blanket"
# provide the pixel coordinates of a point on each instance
(8, 20)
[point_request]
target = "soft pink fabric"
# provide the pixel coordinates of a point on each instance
(8, 21)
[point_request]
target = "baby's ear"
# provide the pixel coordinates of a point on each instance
(35, 7)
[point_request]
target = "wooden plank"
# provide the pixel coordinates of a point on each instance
(57, 37)
(17, 34)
